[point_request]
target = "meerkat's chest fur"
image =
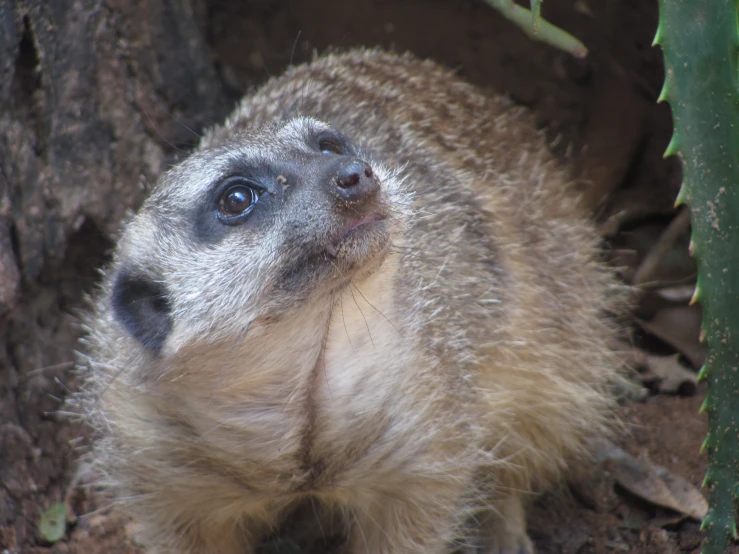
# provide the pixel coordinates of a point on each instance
(299, 394)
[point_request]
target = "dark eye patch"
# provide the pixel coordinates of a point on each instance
(244, 196)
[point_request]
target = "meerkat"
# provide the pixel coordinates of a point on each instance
(372, 289)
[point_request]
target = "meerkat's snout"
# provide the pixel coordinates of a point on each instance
(357, 190)
(355, 181)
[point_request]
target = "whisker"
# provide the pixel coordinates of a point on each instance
(61, 384)
(98, 396)
(162, 136)
(325, 342)
(363, 316)
(42, 370)
(374, 308)
(355, 301)
(341, 304)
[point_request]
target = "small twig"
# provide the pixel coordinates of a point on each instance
(537, 28)
(679, 225)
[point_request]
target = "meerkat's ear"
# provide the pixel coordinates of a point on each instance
(141, 305)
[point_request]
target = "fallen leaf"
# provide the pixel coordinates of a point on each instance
(677, 293)
(53, 522)
(652, 300)
(652, 483)
(667, 520)
(683, 497)
(678, 326)
(671, 376)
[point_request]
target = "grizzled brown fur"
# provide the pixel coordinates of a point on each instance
(406, 326)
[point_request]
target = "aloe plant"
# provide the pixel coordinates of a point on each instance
(700, 42)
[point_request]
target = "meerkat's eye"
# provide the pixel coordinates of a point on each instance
(329, 145)
(238, 199)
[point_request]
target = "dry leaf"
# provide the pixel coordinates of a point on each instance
(653, 483)
(679, 327)
(671, 375)
(652, 301)
(677, 293)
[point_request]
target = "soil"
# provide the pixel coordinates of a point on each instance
(600, 115)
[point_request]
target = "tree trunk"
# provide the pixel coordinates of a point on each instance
(96, 98)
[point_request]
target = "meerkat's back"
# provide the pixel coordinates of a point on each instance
(371, 288)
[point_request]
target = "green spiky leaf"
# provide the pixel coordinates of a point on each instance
(700, 41)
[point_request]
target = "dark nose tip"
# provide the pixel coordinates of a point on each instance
(355, 180)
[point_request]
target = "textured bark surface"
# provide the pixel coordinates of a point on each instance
(95, 99)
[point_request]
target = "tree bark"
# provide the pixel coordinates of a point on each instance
(96, 98)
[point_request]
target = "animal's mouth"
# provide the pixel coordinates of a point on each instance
(366, 220)
(354, 236)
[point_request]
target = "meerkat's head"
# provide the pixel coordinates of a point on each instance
(252, 229)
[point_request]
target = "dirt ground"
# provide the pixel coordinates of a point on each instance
(601, 116)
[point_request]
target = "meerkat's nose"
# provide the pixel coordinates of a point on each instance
(355, 181)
